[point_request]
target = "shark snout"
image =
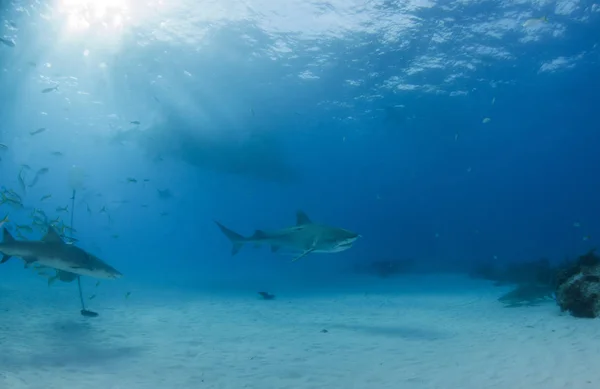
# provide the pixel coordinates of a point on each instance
(114, 274)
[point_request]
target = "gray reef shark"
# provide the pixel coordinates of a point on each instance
(53, 252)
(305, 237)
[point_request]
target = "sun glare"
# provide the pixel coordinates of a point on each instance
(85, 14)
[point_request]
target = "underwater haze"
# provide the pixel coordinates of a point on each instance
(298, 194)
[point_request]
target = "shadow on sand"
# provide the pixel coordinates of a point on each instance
(70, 343)
(408, 333)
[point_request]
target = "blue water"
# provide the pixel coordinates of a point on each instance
(446, 133)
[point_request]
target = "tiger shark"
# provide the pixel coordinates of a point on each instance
(305, 237)
(52, 251)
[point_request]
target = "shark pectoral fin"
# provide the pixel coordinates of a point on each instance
(275, 248)
(5, 258)
(29, 260)
(303, 254)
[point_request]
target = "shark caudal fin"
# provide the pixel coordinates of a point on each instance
(236, 239)
(6, 238)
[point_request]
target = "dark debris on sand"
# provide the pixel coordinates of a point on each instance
(574, 285)
(578, 286)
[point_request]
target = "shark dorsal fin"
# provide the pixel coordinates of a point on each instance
(302, 219)
(7, 236)
(52, 236)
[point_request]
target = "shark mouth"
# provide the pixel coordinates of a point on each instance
(344, 245)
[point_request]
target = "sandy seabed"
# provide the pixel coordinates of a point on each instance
(414, 332)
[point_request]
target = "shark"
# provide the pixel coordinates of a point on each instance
(305, 237)
(52, 251)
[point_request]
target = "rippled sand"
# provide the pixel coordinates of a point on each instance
(416, 332)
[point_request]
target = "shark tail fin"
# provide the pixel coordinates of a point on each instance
(236, 239)
(7, 238)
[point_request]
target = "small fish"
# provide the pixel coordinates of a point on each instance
(8, 42)
(48, 90)
(4, 220)
(115, 236)
(42, 213)
(137, 123)
(32, 64)
(535, 22)
(486, 120)
(24, 228)
(38, 174)
(267, 295)
(586, 238)
(455, 137)
(14, 195)
(38, 131)
(39, 223)
(127, 295)
(3, 146)
(69, 228)
(97, 284)
(62, 209)
(92, 297)
(22, 182)
(14, 202)
(57, 154)
(576, 224)
(164, 194)
(493, 100)
(131, 179)
(45, 197)
(164, 214)
(88, 209)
